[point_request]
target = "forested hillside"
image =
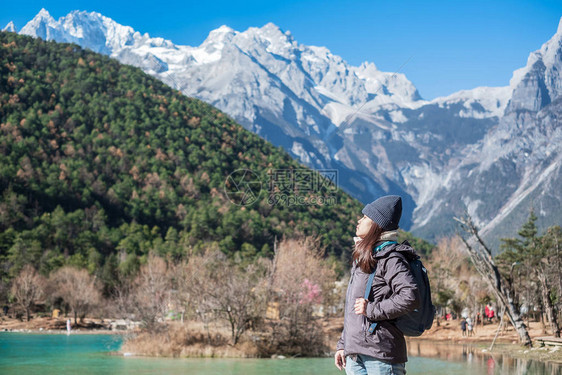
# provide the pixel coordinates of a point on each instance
(101, 164)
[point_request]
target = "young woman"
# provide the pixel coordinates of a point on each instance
(393, 293)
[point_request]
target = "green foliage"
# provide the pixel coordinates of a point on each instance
(531, 256)
(523, 252)
(443, 297)
(101, 163)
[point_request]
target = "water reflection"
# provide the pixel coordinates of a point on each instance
(495, 363)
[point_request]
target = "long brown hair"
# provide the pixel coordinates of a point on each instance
(363, 249)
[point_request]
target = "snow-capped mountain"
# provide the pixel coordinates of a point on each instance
(518, 164)
(10, 27)
(373, 126)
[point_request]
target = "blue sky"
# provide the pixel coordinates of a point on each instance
(453, 45)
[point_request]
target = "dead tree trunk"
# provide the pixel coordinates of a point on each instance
(547, 303)
(482, 258)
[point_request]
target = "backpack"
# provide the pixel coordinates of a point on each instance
(417, 321)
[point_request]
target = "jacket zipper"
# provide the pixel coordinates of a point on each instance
(364, 317)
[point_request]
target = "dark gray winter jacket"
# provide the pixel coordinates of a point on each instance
(394, 293)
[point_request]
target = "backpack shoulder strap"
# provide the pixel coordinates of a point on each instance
(370, 283)
(367, 292)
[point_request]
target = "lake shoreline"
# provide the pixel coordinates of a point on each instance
(49, 325)
(64, 332)
(445, 334)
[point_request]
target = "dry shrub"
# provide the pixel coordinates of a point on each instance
(187, 340)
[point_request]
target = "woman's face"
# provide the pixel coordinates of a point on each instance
(363, 226)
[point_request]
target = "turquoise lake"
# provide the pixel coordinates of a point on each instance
(46, 354)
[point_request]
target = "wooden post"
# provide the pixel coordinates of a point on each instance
(498, 330)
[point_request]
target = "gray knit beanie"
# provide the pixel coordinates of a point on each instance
(385, 211)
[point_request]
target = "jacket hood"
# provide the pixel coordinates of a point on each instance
(404, 248)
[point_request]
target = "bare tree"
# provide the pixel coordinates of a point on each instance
(548, 269)
(301, 281)
(457, 283)
(191, 283)
(148, 296)
(481, 256)
(554, 327)
(218, 287)
(77, 288)
(241, 304)
(27, 289)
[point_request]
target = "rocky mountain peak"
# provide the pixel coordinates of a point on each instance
(43, 14)
(220, 35)
(40, 25)
(367, 68)
(539, 82)
(10, 27)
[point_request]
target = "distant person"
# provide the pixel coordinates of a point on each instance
(5, 310)
(469, 327)
(68, 327)
(463, 327)
(394, 293)
(489, 311)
